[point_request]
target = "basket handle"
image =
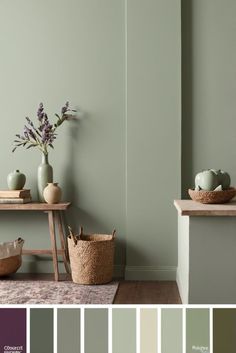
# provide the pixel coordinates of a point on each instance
(114, 234)
(72, 235)
(81, 232)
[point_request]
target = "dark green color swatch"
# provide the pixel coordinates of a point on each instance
(41, 330)
(68, 330)
(224, 330)
(123, 331)
(198, 331)
(96, 331)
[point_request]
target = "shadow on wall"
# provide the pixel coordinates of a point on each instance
(187, 98)
(71, 189)
(75, 216)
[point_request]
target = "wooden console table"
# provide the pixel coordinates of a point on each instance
(206, 272)
(54, 217)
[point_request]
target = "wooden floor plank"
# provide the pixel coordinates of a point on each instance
(147, 292)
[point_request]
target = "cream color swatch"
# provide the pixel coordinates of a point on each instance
(148, 331)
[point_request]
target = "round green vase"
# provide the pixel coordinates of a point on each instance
(45, 176)
(16, 180)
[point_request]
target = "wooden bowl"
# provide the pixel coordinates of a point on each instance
(10, 265)
(212, 196)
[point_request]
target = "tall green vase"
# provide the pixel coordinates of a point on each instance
(45, 176)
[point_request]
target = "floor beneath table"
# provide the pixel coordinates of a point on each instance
(129, 292)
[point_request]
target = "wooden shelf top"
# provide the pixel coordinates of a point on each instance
(192, 208)
(34, 206)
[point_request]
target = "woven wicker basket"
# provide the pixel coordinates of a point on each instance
(212, 196)
(11, 257)
(91, 257)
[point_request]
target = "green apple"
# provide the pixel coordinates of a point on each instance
(198, 180)
(207, 180)
(217, 171)
(225, 179)
(197, 188)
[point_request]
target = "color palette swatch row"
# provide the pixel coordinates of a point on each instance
(117, 330)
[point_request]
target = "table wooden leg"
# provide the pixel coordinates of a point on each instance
(63, 243)
(53, 243)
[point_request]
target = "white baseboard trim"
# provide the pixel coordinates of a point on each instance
(142, 273)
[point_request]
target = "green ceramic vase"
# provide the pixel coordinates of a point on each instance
(45, 176)
(16, 180)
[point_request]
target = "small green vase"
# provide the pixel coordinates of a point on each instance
(45, 176)
(16, 180)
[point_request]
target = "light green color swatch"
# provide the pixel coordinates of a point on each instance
(41, 330)
(224, 324)
(68, 330)
(148, 330)
(171, 331)
(123, 330)
(197, 331)
(96, 331)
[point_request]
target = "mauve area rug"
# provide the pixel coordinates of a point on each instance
(51, 292)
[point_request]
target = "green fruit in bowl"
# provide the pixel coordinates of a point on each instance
(216, 171)
(207, 180)
(223, 177)
(198, 180)
(225, 180)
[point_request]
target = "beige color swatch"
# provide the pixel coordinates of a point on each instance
(148, 331)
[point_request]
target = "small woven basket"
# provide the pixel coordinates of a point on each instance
(91, 257)
(222, 196)
(10, 260)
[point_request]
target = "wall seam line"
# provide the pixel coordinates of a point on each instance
(126, 126)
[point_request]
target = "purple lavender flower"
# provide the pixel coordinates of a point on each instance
(26, 130)
(44, 135)
(40, 112)
(29, 121)
(63, 110)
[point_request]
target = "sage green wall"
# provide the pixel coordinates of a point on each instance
(119, 61)
(153, 136)
(51, 52)
(209, 84)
